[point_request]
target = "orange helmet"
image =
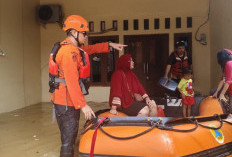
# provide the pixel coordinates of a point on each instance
(76, 22)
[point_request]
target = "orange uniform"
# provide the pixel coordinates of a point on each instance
(69, 61)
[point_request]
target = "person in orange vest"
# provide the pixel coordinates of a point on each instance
(68, 98)
(177, 61)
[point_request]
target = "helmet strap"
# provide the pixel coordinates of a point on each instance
(76, 38)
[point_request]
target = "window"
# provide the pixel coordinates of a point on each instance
(103, 64)
(157, 23)
(125, 25)
(91, 26)
(167, 23)
(178, 22)
(189, 22)
(115, 25)
(103, 25)
(146, 24)
(136, 24)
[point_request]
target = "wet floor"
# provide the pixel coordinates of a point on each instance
(29, 132)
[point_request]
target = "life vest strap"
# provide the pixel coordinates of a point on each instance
(60, 80)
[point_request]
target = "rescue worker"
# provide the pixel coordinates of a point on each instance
(177, 61)
(68, 99)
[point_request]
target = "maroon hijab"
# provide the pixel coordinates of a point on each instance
(121, 79)
(123, 63)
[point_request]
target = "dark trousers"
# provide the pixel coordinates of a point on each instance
(68, 122)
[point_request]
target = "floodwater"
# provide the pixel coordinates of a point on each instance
(29, 132)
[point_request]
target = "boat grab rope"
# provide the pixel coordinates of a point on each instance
(152, 123)
(194, 121)
(219, 119)
(158, 124)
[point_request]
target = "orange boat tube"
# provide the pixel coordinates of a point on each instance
(122, 136)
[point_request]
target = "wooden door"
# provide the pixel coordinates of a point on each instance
(150, 54)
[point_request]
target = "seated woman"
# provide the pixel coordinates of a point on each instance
(126, 89)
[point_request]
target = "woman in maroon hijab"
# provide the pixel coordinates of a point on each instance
(124, 85)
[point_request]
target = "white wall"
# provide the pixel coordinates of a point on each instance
(19, 38)
(31, 51)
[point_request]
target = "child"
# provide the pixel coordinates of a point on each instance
(186, 90)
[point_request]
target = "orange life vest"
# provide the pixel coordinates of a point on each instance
(84, 71)
(180, 64)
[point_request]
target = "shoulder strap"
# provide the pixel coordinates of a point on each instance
(127, 84)
(83, 55)
(55, 49)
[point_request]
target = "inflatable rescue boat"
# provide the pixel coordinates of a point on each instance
(206, 135)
